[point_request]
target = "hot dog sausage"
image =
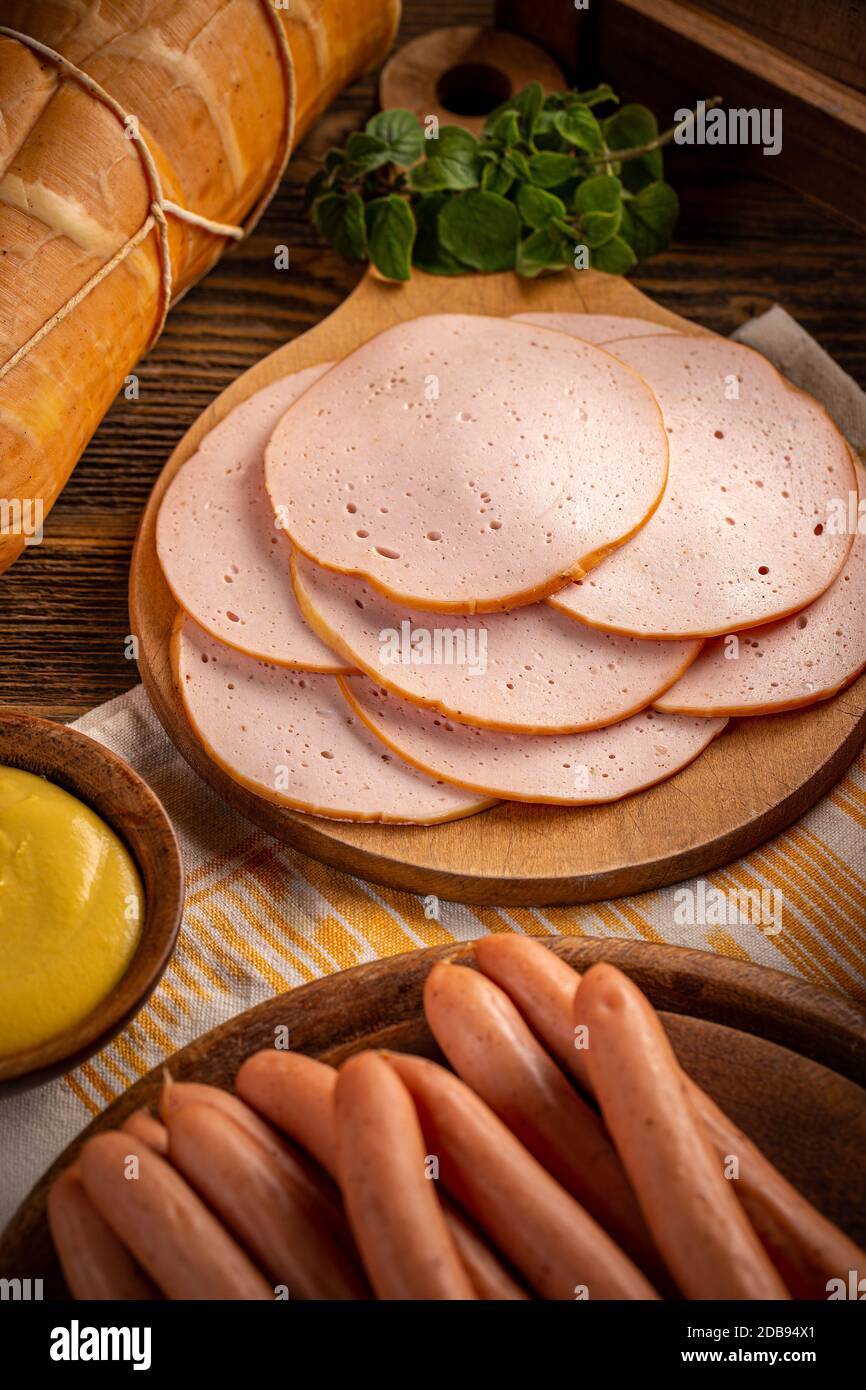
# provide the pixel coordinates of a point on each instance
(143, 1125)
(176, 1094)
(490, 1279)
(321, 1194)
(490, 1047)
(698, 1225)
(807, 1249)
(269, 1213)
(543, 988)
(95, 1263)
(392, 1204)
(296, 1093)
(543, 1231)
(164, 1224)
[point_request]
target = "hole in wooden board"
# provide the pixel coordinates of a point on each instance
(472, 89)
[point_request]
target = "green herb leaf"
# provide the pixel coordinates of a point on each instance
(649, 219)
(596, 228)
(364, 153)
(506, 127)
(549, 170)
(429, 253)
(528, 104)
(616, 257)
(318, 184)
(596, 96)
(602, 193)
(455, 143)
(545, 135)
(496, 178)
(481, 229)
(538, 207)
(401, 132)
(391, 236)
(630, 128)
(452, 162)
(543, 250)
(340, 219)
(436, 174)
(579, 127)
(516, 164)
(429, 177)
(525, 194)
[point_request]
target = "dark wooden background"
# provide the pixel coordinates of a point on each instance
(741, 245)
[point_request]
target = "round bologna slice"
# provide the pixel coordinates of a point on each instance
(795, 662)
(468, 464)
(288, 736)
(740, 538)
(223, 559)
(596, 328)
(531, 669)
(564, 769)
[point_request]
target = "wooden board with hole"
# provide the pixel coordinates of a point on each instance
(753, 781)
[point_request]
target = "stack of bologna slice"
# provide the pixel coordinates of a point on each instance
(541, 559)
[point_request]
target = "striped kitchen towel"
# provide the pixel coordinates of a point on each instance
(261, 918)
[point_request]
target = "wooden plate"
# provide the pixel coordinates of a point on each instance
(754, 780)
(761, 1042)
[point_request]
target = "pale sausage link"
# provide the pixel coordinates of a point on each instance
(321, 1195)
(95, 1262)
(491, 1048)
(546, 1235)
(807, 1249)
(393, 1208)
(168, 1229)
(143, 1125)
(269, 1214)
(704, 1235)
(296, 1093)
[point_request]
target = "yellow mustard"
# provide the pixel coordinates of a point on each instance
(71, 910)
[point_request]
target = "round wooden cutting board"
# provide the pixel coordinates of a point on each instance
(754, 780)
(786, 1062)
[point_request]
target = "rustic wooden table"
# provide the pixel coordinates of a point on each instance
(741, 245)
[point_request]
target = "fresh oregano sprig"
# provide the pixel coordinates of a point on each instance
(550, 183)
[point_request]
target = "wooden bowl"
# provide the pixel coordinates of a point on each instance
(105, 783)
(784, 1059)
